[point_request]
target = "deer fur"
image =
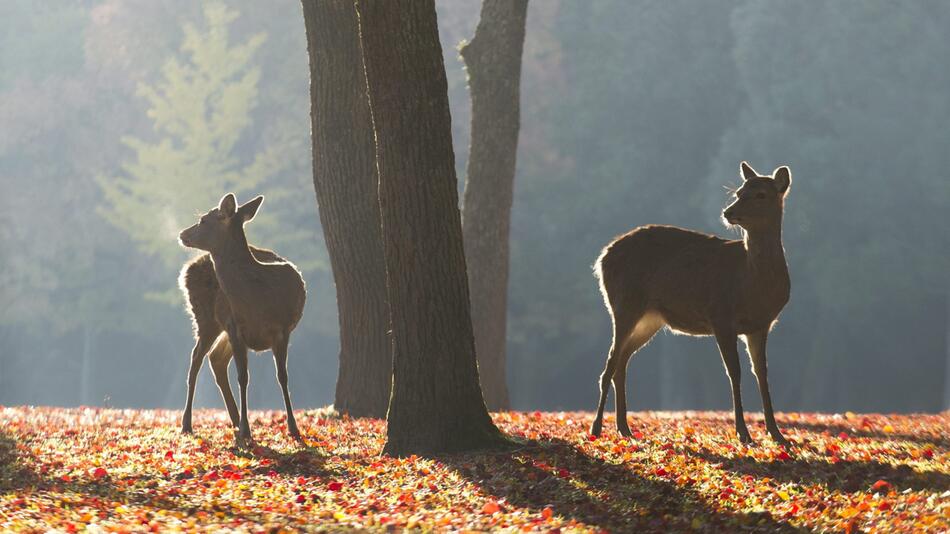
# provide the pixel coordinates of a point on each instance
(700, 285)
(240, 297)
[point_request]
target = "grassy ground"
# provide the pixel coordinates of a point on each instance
(131, 471)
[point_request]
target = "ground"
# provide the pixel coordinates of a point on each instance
(98, 470)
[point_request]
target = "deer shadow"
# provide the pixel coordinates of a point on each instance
(853, 431)
(555, 473)
(847, 476)
(17, 476)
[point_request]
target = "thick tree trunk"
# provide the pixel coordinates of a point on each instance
(493, 61)
(436, 403)
(345, 181)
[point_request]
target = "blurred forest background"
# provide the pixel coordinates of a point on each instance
(122, 119)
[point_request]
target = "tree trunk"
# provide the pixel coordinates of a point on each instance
(345, 181)
(436, 404)
(493, 61)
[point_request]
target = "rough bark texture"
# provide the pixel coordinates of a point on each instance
(493, 61)
(345, 181)
(436, 403)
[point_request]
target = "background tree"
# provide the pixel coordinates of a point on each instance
(493, 63)
(345, 181)
(436, 403)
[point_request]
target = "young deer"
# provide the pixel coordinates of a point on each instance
(240, 298)
(700, 285)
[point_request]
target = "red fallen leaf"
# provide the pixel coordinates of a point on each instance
(335, 486)
(881, 485)
(660, 472)
(638, 435)
(563, 473)
(301, 481)
(99, 472)
(843, 435)
(490, 508)
(210, 475)
(928, 453)
(301, 499)
(783, 456)
(591, 437)
(169, 456)
(884, 506)
(547, 513)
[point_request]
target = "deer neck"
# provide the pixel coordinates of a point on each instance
(764, 252)
(230, 261)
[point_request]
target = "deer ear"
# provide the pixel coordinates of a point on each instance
(783, 179)
(228, 205)
(249, 210)
(746, 171)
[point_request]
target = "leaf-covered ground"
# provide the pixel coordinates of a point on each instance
(96, 470)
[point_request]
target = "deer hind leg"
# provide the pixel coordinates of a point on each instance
(643, 332)
(623, 326)
(280, 362)
(197, 356)
(220, 358)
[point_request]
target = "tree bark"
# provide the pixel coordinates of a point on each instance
(493, 62)
(345, 182)
(436, 404)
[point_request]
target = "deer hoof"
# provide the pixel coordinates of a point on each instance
(779, 439)
(186, 429)
(745, 438)
(596, 428)
(624, 431)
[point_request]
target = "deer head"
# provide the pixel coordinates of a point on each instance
(760, 200)
(221, 227)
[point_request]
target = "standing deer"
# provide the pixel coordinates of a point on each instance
(700, 285)
(240, 298)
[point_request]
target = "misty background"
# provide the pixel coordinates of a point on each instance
(120, 120)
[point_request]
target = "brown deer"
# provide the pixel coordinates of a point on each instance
(700, 285)
(240, 298)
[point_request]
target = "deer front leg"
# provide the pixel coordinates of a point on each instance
(756, 344)
(280, 362)
(240, 359)
(726, 339)
(197, 356)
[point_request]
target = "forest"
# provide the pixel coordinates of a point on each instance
(123, 122)
(660, 102)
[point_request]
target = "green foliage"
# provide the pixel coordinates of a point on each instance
(201, 112)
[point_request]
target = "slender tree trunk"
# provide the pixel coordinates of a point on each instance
(493, 61)
(436, 404)
(345, 181)
(86, 371)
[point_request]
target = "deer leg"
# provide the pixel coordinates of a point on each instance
(597, 425)
(240, 359)
(726, 339)
(220, 358)
(280, 362)
(621, 333)
(197, 356)
(756, 344)
(642, 335)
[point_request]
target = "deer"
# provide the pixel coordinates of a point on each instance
(240, 297)
(698, 284)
